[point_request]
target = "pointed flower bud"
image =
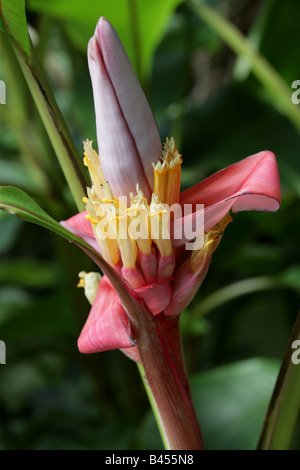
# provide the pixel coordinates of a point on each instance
(128, 139)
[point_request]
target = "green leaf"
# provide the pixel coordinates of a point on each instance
(291, 277)
(80, 18)
(15, 201)
(231, 402)
(14, 24)
(9, 229)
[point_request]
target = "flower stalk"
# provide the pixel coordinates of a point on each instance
(172, 398)
(164, 375)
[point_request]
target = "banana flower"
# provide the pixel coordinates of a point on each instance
(135, 180)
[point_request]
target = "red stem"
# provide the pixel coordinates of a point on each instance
(167, 379)
(161, 358)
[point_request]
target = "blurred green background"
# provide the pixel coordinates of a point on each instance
(236, 330)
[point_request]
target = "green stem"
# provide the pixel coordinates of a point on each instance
(237, 289)
(261, 68)
(56, 127)
(16, 116)
(153, 406)
(284, 406)
(242, 68)
(161, 403)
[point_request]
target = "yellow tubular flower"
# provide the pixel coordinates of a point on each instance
(92, 161)
(127, 245)
(117, 221)
(159, 223)
(167, 174)
(139, 226)
(107, 244)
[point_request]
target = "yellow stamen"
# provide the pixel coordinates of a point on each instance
(200, 258)
(160, 181)
(120, 231)
(81, 283)
(138, 228)
(159, 223)
(167, 174)
(100, 223)
(91, 219)
(108, 246)
(92, 161)
(108, 196)
(217, 231)
(127, 245)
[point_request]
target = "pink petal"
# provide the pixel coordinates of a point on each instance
(105, 295)
(80, 226)
(157, 296)
(132, 353)
(127, 134)
(185, 286)
(148, 264)
(133, 276)
(107, 325)
(165, 267)
(251, 184)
